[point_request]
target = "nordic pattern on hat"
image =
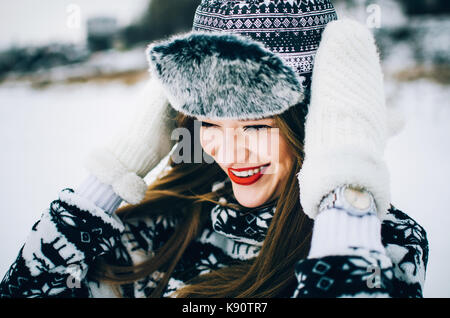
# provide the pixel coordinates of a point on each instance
(223, 76)
(290, 28)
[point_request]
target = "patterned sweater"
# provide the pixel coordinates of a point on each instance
(350, 256)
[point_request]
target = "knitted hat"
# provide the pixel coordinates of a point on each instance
(245, 59)
(290, 28)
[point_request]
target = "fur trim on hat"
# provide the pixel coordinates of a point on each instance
(223, 76)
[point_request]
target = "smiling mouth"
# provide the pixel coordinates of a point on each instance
(247, 176)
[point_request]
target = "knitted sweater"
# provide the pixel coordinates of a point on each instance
(350, 256)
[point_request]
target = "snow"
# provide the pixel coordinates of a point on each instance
(420, 171)
(46, 134)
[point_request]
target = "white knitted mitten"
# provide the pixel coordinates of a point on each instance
(136, 147)
(347, 126)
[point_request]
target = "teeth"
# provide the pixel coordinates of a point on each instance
(241, 174)
(247, 173)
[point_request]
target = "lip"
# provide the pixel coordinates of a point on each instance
(248, 168)
(247, 180)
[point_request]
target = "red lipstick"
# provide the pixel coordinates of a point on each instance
(247, 180)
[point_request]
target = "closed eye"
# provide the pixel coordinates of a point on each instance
(257, 127)
(245, 128)
(205, 124)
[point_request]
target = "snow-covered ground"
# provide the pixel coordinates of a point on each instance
(46, 134)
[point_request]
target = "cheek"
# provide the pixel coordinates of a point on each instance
(286, 156)
(271, 146)
(262, 146)
(281, 154)
(209, 140)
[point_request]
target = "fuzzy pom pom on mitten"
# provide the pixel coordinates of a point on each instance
(347, 127)
(137, 146)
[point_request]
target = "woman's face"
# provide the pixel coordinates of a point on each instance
(253, 153)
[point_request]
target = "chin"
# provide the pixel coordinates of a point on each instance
(247, 199)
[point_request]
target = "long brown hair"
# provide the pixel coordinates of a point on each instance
(186, 189)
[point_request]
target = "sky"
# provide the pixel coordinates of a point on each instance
(31, 22)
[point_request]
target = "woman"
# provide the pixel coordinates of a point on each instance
(236, 218)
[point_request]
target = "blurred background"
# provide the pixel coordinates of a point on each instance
(69, 71)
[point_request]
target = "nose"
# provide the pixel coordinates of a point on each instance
(233, 148)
